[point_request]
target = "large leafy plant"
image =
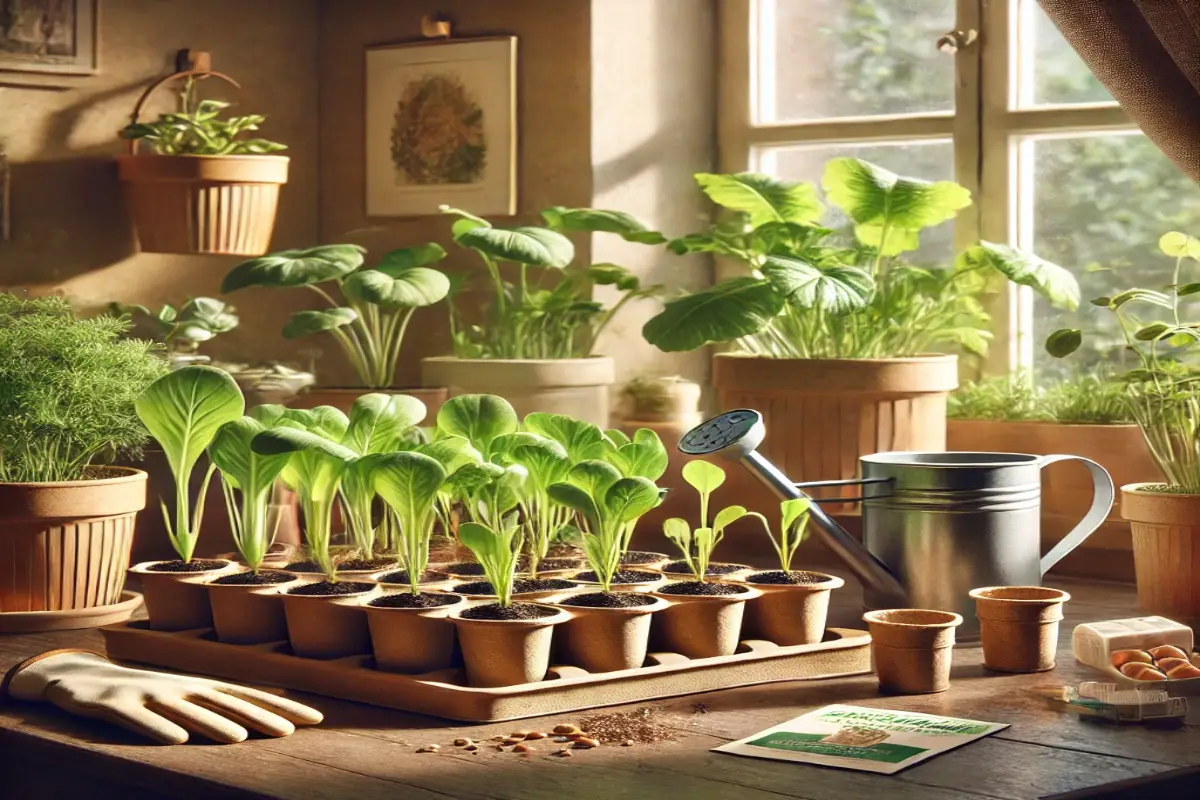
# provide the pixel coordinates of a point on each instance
(376, 304)
(1162, 389)
(547, 312)
(182, 329)
(67, 390)
(697, 544)
(197, 129)
(409, 482)
(805, 291)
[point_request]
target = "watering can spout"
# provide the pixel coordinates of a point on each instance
(736, 436)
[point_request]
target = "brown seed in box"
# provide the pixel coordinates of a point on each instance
(564, 730)
(1142, 672)
(1166, 651)
(1120, 657)
(1183, 671)
(1168, 664)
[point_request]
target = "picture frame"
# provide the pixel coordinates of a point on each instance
(441, 127)
(49, 37)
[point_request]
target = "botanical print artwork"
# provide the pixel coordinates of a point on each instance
(48, 35)
(438, 133)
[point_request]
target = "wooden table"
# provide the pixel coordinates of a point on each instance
(365, 753)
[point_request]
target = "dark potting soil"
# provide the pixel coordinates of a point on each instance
(681, 568)
(195, 565)
(366, 563)
(304, 566)
(409, 600)
(463, 568)
(252, 579)
(635, 557)
(552, 563)
(517, 611)
(701, 588)
(622, 576)
(609, 600)
(327, 589)
(794, 578)
(520, 586)
(401, 576)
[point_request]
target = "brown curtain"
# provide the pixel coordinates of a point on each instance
(1147, 53)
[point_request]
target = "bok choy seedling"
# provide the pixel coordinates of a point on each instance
(409, 483)
(792, 527)
(697, 544)
(497, 550)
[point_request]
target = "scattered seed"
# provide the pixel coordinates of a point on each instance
(463, 742)
(523, 748)
(429, 749)
(534, 735)
(499, 738)
(575, 737)
(471, 748)
(563, 730)
(627, 743)
(518, 734)
(585, 743)
(564, 753)
(513, 740)
(640, 726)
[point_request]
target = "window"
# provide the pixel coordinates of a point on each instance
(1006, 108)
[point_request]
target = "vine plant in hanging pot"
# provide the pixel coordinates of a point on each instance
(206, 188)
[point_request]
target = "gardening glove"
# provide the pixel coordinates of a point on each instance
(158, 705)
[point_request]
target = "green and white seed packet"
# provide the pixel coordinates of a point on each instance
(865, 739)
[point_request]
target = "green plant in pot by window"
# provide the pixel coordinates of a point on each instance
(377, 303)
(198, 130)
(183, 329)
(697, 546)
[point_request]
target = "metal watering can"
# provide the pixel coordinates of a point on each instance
(935, 525)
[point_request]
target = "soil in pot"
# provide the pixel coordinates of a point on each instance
(401, 576)
(364, 564)
(638, 557)
(304, 567)
(713, 571)
(608, 600)
(793, 578)
(175, 596)
(327, 589)
(506, 646)
(702, 588)
(410, 633)
(410, 600)
(793, 607)
(704, 619)
(514, 612)
(620, 576)
(324, 619)
(549, 564)
(520, 586)
(253, 579)
(179, 565)
(467, 568)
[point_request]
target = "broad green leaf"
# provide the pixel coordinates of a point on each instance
(184, 409)
(294, 440)
(295, 267)
(466, 221)
(884, 205)
(1049, 280)
(614, 275)
(836, 290)
(452, 453)
(630, 498)
(1149, 333)
(576, 436)
(478, 418)
(406, 258)
(306, 323)
(594, 477)
(412, 288)
(1063, 342)
(794, 509)
(1179, 245)
(409, 483)
(726, 517)
(246, 470)
(377, 421)
(706, 478)
(617, 437)
(268, 414)
(763, 198)
(973, 340)
(601, 221)
(731, 309)
(679, 532)
(544, 459)
(481, 541)
(325, 421)
(577, 499)
(537, 247)
(644, 457)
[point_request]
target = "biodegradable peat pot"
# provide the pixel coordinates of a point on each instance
(912, 649)
(507, 652)
(65, 545)
(701, 625)
(328, 625)
(627, 579)
(1019, 626)
(342, 399)
(249, 613)
(605, 638)
(577, 387)
(717, 570)
(1166, 550)
(178, 600)
(203, 204)
(413, 639)
(789, 613)
(821, 414)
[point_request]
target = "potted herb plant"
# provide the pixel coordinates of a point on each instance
(368, 308)
(705, 478)
(67, 392)
(184, 410)
(794, 603)
(1162, 398)
(836, 335)
(536, 345)
(183, 329)
(207, 187)
(704, 618)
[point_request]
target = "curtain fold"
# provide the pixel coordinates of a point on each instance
(1147, 54)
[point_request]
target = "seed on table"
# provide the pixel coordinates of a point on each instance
(471, 748)
(523, 748)
(564, 730)
(574, 737)
(499, 738)
(564, 753)
(463, 742)
(518, 734)
(627, 743)
(430, 748)
(585, 743)
(534, 735)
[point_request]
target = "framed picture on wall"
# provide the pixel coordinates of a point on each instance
(49, 36)
(441, 127)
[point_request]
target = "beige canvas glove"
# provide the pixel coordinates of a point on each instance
(159, 705)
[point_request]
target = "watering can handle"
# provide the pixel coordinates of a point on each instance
(1103, 494)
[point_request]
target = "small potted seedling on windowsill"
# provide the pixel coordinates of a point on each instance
(705, 478)
(705, 617)
(794, 603)
(609, 630)
(181, 330)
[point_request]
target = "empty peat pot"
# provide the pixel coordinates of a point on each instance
(793, 606)
(324, 622)
(412, 633)
(176, 598)
(506, 646)
(1019, 626)
(912, 648)
(606, 632)
(703, 620)
(246, 608)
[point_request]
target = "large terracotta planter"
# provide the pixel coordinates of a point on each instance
(506, 652)
(342, 399)
(700, 626)
(178, 601)
(203, 204)
(413, 640)
(66, 545)
(822, 414)
(578, 387)
(248, 614)
(322, 626)
(605, 639)
(1166, 551)
(790, 613)
(1066, 488)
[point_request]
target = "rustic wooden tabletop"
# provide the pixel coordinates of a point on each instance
(365, 753)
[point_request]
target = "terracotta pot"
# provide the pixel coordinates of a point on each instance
(178, 601)
(1019, 626)
(413, 640)
(604, 639)
(248, 614)
(912, 649)
(65, 545)
(506, 652)
(575, 386)
(327, 627)
(790, 614)
(342, 399)
(1166, 551)
(203, 204)
(822, 414)
(700, 626)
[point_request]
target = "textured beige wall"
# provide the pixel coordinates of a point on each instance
(69, 229)
(553, 111)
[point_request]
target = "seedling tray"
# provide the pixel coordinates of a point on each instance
(445, 693)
